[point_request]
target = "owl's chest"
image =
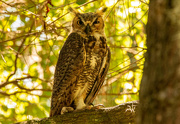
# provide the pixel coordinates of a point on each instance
(95, 51)
(96, 46)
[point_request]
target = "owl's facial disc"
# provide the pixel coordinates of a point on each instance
(88, 24)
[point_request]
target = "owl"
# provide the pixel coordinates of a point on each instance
(82, 64)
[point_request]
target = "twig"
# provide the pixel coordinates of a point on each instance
(10, 94)
(117, 76)
(111, 9)
(143, 2)
(118, 94)
(15, 82)
(124, 68)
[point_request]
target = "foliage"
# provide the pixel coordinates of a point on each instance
(32, 33)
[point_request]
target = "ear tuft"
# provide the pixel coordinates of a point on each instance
(101, 10)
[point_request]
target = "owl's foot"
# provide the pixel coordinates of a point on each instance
(94, 106)
(89, 107)
(98, 106)
(66, 109)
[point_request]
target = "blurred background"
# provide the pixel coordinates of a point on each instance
(32, 33)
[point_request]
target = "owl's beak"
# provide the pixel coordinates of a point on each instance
(87, 29)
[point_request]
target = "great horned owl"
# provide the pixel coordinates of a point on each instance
(82, 64)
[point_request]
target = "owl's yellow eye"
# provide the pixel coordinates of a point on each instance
(79, 22)
(96, 21)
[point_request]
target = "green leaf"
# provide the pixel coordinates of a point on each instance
(5, 108)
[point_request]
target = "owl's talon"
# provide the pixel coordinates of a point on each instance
(94, 106)
(88, 107)
(66, 110)
(98, 106)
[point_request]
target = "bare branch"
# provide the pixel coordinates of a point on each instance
(118, 94)
(14, 93)
(15, 82)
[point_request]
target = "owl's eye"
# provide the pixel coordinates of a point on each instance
(96, 21)
(79, 22)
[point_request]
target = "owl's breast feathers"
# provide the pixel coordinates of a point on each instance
(97, 60)
(80, 72)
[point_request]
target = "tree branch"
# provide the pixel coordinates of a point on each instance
(15, 82)
(121, 114)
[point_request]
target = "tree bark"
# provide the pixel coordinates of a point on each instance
(121, 114)
(160, 86)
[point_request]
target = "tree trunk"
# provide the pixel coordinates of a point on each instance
(160, 86)
(121, 114)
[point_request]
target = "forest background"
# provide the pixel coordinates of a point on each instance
(32, 33)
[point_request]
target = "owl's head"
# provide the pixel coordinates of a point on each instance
(88, 23)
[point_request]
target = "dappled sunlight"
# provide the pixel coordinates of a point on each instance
(128, 86)
(109, 3)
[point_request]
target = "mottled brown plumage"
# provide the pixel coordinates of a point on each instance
(82, 64)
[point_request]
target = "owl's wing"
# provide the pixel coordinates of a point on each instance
(100, 78)
(70, 64)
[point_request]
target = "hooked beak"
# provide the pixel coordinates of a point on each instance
(87, 29)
